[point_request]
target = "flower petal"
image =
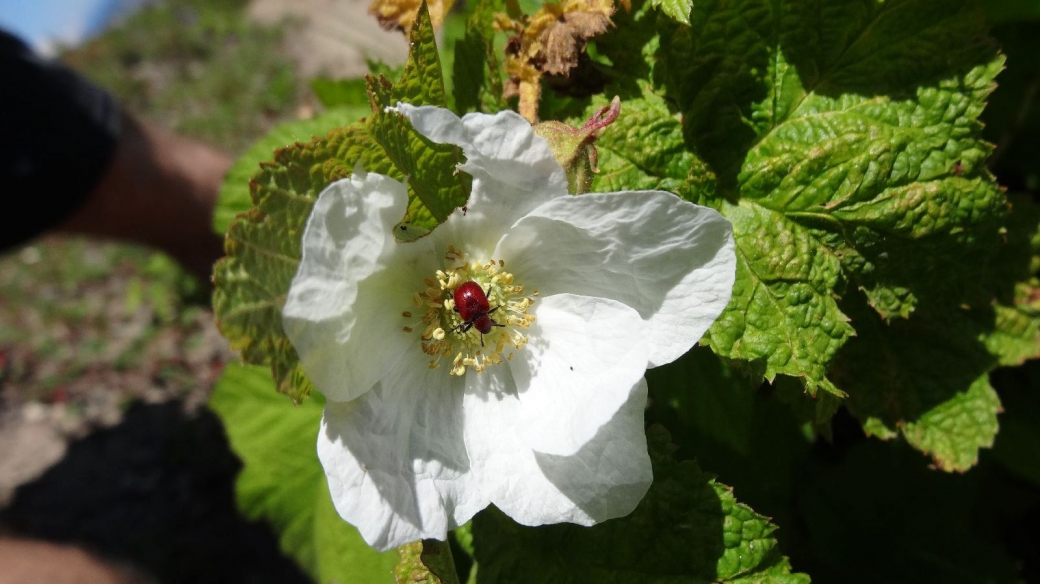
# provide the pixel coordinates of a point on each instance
(343, 297)
(671, 260)
(513, 168)
(395, 458)
(583, 357)
(604, 479)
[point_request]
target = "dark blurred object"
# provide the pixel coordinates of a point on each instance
(70, 160)
(59, 136)
(157, 490)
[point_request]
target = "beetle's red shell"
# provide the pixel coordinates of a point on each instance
(472, 305)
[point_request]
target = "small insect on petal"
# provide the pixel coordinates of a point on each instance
(471, 302)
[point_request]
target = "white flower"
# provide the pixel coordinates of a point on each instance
(427, 422)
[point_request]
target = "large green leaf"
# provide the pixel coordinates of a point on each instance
(283, 483)
(925, 378)
(263, 246)
(689, 528)
(644, 149)
(842, 140)
(234, 195)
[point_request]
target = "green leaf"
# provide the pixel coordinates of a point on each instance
(263, 246)
(678, 10)
(844, 139)
(1014, 335)
(926, 379)
(283, 483)
(631, 48)
(422, 82)
(435, 187)
(688, 528)
(234, 195)
(718, 414)
(709, 396)
(341, 92)
(783, 312)
(475, 71)
(644, 149)
(426, 562)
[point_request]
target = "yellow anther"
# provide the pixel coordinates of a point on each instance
(442, 332)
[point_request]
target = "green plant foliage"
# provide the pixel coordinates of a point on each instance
(689, 528)
(263, 247)
(426, 562)
(282, 481)
(751, 438)
(341, 92)
(476, 77)
(843, 142)
(234, 197)
(1015, 333)
(263, 242)
(926, 378)
(676, 9)
(644, 149)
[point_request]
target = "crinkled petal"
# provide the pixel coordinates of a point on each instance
(341, 313)
(604, 479)
(396, 460)
(578, 369)
(513, 170)
(670, 260)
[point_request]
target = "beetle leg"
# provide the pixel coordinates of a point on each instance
(464, 326)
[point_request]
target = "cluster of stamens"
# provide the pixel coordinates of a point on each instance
(445, 335)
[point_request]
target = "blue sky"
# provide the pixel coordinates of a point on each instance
(43, 23)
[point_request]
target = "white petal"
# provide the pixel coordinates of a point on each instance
(513, 169)
(671, 260)
(396, 460)
(583, 358)
(605, 479)
(343, 313)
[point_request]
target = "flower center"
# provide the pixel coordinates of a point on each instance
(476, 335)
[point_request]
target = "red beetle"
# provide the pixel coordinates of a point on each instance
(471, 302)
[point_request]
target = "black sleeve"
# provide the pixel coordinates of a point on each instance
(58, 134)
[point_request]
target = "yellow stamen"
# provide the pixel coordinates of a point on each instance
(442, 332)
